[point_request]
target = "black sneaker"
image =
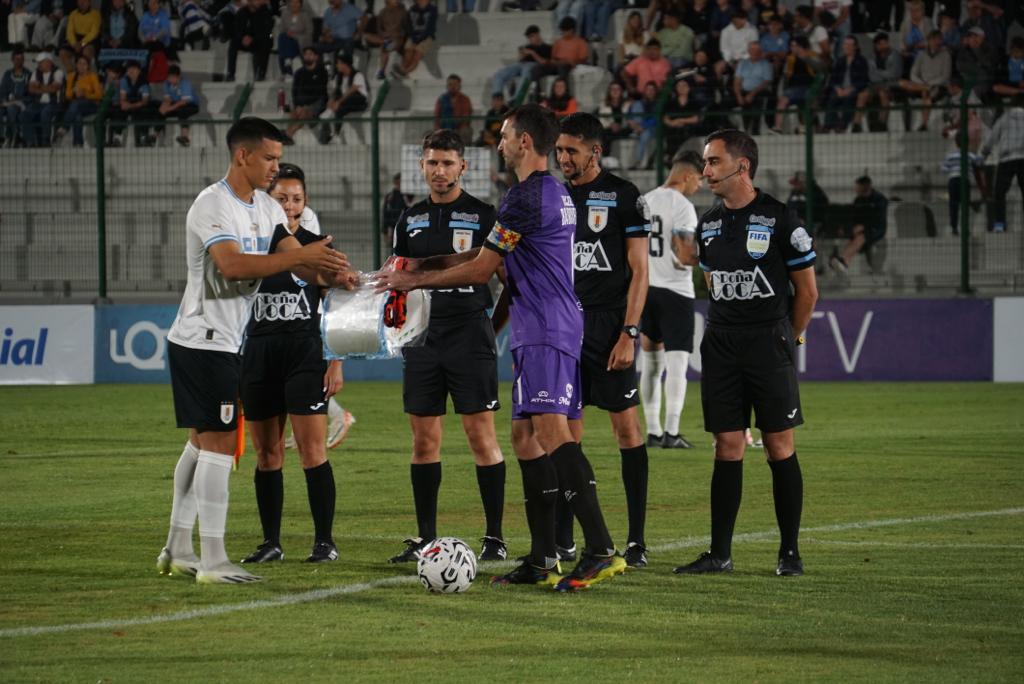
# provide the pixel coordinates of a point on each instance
(789, 565)
(705, 564)
(655, 440)
(266, 552)
(566, 554)
(412, 551)
(323, 551)
(675, 442)
(527, 573)
(590, 570)
(493, 549)
(635, 555)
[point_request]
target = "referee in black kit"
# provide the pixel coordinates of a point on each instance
(758, 262)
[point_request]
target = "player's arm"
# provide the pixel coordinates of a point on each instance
(476, 271)
(805, 294)
(443, 261)
(684, 247)
(325, 277)
(636, 255)
(234, 264)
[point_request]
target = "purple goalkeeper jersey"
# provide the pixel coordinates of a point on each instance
(534, 232)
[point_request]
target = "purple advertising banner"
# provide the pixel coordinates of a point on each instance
(891, 339)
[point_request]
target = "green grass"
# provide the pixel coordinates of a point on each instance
(85, 484)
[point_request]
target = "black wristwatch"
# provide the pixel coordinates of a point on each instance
(632, 331)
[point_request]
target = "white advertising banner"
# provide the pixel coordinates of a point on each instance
(1008, 339)
(46, 345)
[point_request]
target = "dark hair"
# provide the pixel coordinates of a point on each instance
(739, 14)
(539, 123)
(559, 102)
(251, 131)
(174, 70)
(880, 36)
(688, 158)
(581, 125)
(863, 180)
(342, 57)
(132, 63)
(802, 42)
(18, 49)
(287, 171)
(1017, 43)
(805, 11)
(455, 76)
(444, 139)
(567, 24)
(935, 34)
(737, 144)
(653, 42)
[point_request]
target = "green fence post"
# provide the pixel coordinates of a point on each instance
(809, 148)
(243, 100)
(667, 88)
(524, 88)
(100, 133)
(965, 189)
(378, 103)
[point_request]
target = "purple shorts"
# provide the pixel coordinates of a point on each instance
(545, 380)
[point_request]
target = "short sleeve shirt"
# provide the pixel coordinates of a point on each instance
(749, 253)
(671, 214)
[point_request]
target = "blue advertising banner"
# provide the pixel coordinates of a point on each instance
(131, 343)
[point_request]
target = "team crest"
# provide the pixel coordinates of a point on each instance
(227, 412)
(597, 218)
(758, 239)
(462, 240)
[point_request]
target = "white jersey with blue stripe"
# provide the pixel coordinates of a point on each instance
(214, 310)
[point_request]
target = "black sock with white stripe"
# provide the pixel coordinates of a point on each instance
(579, 487)
(540, 489)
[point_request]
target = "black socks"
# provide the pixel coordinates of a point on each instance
(540, 490)
(491, 480)
(634, 480)
(426, 481)
(270, 501)
(788, 489)
(322, 493)
(726, 491)
(579, 488)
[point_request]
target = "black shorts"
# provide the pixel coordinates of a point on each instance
(612, 391)
(750, 368)
(205, 387)
(459, 359)
(668, 318)
(283, 374)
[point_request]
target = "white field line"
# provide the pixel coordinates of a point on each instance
(344, 589)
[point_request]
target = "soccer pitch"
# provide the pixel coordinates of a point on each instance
(913, 540)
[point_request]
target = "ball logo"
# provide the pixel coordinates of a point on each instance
(127, 355)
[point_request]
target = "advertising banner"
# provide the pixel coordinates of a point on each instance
(46, 345)
(131, 343)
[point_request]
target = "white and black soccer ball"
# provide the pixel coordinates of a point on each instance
(446, 566)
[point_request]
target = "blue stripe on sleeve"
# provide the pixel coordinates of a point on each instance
(703, 266)
(636, 229)
(800, 260)
(222, 237)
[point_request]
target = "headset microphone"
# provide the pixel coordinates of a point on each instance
(741, 168)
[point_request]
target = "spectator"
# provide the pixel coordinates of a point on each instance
(341, 20)
(534, 52)
(775, 43)
(633, 39)
(155, 28)
(735, 42)
(490, 134)
(569, 9)
(682, 118)
(422, 31)
(253, 27)
(560, 99)
(614, 116)
(179, 102)
(951, 167)
(915, 31)
(44, 104)
(801, 194)
(657, 9)
(951, 36)
(1006, 140)
(195, 25)
(802, 66)
(703, 80)
(597, 16)
(644, 114)
(112, 73)
(309, 91)
(82, 33)
(133, 105)
(1014, 83)
(870, 218)
(223, 25)
(849, 80)
(82, 95)
(676, 41)
(395, 202)
(14, 96)
(929, 75)
(975, 126)
(884, 71)
(752, 87)
(453, 109)
(23, 15)
(978, 61)
(840, 11)
(817, 35)
(296, 33)
(989, 17)
(389, 35)
(47, 26)
(697, 15)
(650, 67)
(568, 52)
(752, 8)
(350, 95)
(719, 19)
(120, 28)
(467, 6)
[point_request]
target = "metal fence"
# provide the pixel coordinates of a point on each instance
(81, 223)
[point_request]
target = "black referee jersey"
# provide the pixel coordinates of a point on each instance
(285, 304)
(749, 253)
(427, 229)
(609, 210)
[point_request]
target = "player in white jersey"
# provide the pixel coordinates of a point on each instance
(666, 327)
(229, 230)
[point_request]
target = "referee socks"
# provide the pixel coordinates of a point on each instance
(491, 480)
(788, 490)
(634, 481)
(322, 494)
(579, 486)
(426, 481)
(726, 492)
(269, 486)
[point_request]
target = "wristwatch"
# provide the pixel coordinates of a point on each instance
(631, 330)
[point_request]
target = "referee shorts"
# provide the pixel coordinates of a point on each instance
(204, 384)
(283, 374)
(460, 358)
(614, 390)
(668, 318)
(750, 368)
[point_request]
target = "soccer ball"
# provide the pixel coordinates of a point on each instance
(446, 566)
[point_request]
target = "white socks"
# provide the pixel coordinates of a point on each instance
(183, 505)
(211, 488)
(650, 388)
(675, 388)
